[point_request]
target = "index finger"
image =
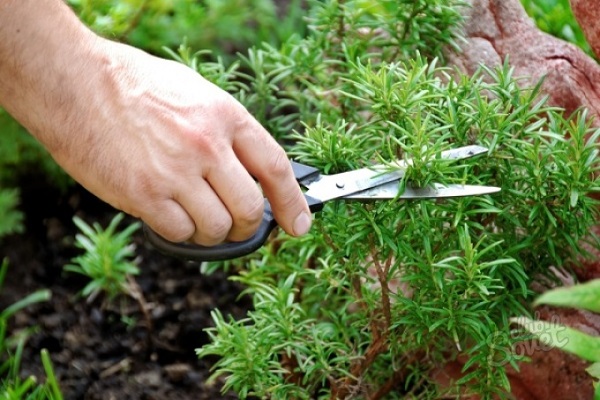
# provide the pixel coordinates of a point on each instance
(266, 160)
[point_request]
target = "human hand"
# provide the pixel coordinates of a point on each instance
(175, 150)
(147, 135)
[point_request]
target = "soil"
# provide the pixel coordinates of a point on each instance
(106, 350)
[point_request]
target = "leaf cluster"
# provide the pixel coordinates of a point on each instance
(584, 296)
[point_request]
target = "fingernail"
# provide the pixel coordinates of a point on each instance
(302, 224)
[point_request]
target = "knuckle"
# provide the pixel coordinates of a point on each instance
(177, 234)
(251, 214)
(240, 118)
(203, 142)
(278, 164)
(214, 231)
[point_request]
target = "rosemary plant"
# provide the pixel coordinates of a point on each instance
(107, 257)
(382, 294)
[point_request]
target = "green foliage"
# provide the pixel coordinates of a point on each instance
(585, 296)
(12, 386)
(556, 18)
(106, 258)
(221, 26)
(11, 219)
(382, 293)
(288, 86)
(21, 153)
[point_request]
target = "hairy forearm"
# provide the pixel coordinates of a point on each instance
(43, 52)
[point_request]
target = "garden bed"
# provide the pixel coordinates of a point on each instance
(96, 354)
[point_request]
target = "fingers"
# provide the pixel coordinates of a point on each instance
(218, 195)
(240, 195)
(228, 206)
(267, 161)
(169, 220)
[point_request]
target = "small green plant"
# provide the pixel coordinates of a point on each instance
(12, 386)
(107, 261)
(584, 296)
(107, 257)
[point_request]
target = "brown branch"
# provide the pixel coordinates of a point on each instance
(398, 377)
(359, 367)
(382, 275)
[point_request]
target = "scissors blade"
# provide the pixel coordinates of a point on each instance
(391, 190)
(329, 187)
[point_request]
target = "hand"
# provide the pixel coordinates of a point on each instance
(156, 140)
(177, 151)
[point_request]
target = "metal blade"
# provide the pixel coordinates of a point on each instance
(329, 187)
(390, 191)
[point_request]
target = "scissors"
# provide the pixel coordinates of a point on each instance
(371, 183)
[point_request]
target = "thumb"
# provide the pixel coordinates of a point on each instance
(269, 164)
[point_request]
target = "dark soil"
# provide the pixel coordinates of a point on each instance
(104, 350)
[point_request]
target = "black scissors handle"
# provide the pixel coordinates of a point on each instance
(231, 250)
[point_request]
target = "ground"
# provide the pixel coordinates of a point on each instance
(97, 354)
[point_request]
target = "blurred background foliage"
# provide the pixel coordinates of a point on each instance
(220, 26)
(556, 18)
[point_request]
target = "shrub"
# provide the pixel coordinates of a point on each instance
(221, 26)
(106, 257)
(381, 294)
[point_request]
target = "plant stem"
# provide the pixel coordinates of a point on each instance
(135, 292)
(382, 274)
